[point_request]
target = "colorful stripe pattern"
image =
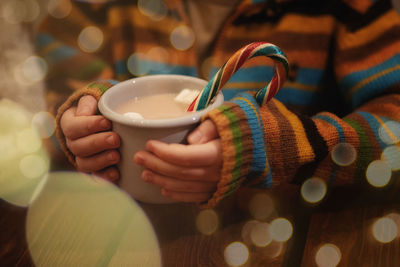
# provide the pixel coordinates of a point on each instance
(343, 84)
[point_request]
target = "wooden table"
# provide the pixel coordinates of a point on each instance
(345, 220)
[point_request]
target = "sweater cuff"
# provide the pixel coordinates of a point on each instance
(240, 128)
(95, 89)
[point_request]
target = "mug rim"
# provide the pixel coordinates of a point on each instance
(191, 118)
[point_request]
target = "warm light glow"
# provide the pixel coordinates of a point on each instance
(236, 254)
(281, 229)
(33, 166)
(44, 123)
(90, 39)
(384, 230)
(389, 132)
(138, 65)
(260, 234)
(396, 219)
(313, 190)
(182, 37)
(328, 255)
(32, 70)
(28, 141)
(207, 221)
(157, 54)
(32, 10)
(378, 173)
(246, 231)
(261, 206)
(391, 155)
(155, 9)
(59, 8)
(81, 220)
(13, 11)
(23, 160)
(344, 154)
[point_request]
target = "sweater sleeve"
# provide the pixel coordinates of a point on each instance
(338, 150)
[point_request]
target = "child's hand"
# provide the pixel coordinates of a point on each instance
(89, 138)
(188, 173)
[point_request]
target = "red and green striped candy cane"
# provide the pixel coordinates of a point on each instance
(234, 63)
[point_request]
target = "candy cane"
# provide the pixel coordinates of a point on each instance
(281, 66)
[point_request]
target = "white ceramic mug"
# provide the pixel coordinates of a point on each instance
(135, 134)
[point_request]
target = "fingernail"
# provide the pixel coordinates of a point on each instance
(110, 140)
(104, 124)
(138, 159)
(147, 176)
(195, 137)
(113, 175)
(111, 156)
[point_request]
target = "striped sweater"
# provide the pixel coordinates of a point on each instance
(337, 113)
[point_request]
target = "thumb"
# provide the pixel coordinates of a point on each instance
(204, 133)
(87, 106)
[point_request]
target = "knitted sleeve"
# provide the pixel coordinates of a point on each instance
(337, 150)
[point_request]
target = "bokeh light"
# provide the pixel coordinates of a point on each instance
(260, 234)
(207, 221)
(23, 160)
(33, 166)
(160, 54)
(90, 39)
(81, 220)
(44, 123)
(182, 37)
(396, 219)
(313, 190)
(155, 9)
(389, 132)
(281, 229)
(32, 10)
(246, 231)
(344, 154)
(328, 255)
(13, 11)
(261, 206)
(32, 70)
(378, 173)
(384, 230)
(236, 254)
(59, 9)
(138, 65)
(28, 141)
(391, 155)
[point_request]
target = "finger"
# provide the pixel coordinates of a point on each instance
(186, 197)
(110, 174)
(76, 127)
(98, 161)
(188, 155)
(173, 184)
(157, 165)
(93, 144)
(87, 106)
(204, 133)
